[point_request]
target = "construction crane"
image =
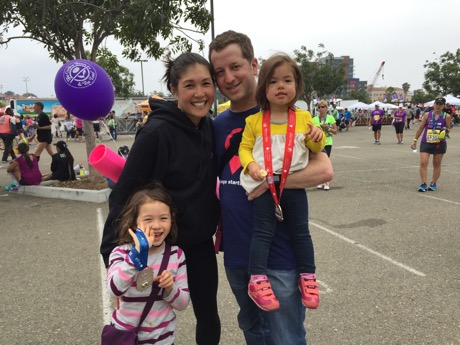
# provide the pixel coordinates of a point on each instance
(370, 86)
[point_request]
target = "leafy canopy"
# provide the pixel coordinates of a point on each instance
(442, 77)
(322, 77)
(155, 28)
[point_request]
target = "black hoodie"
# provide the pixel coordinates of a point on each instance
(170, 149)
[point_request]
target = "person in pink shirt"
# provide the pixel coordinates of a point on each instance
(24, 169)
(146, 231)
(79, 126)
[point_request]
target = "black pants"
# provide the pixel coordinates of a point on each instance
(202, 282)
(8, 150)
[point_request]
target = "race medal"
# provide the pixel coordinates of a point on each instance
(144, 279)
(279, 213)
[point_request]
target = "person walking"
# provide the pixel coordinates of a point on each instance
(329, 127)
(235, 68)
(435, 126)
(399, 119)
(176, 148)
(44, 136)
(8, 132)
(410, 116)
(113, 125)
(375, 120)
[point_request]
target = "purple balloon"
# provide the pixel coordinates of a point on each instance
(84, 89)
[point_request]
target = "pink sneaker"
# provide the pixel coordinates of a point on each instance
(260, 291)
(309, 290)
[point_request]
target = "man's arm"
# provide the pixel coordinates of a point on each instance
(318, 171)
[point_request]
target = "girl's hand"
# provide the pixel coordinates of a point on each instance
(315, 133)
(166, 281)
(148, 232)
(255, 171)
(413, 146)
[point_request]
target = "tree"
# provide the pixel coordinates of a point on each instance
(360, 95)
(405, 87)
(122, 78)
(389, 92)
(421, 96)
(322, 77)
(442, 77)
(31, 95)
(155, 28)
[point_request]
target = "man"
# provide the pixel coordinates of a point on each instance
(348, 119)
(44, 136)
(375, 120)
(335, 113)
(409, 117)
(235, 67)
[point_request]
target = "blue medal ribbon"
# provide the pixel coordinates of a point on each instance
(140, 259)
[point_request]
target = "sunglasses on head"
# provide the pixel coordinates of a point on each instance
(322, 106)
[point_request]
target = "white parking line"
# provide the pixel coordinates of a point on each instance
(346, 239)
(106, 300)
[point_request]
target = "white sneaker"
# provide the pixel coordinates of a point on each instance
(320, 186)
(326, 186)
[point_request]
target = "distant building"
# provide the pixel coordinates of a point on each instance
(353, 84)
(379, 94)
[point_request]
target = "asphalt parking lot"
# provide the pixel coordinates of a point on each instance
(387, 256)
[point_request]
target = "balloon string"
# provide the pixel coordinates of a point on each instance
(107, 129)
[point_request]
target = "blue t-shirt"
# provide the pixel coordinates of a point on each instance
(347, 115)
(237, 212)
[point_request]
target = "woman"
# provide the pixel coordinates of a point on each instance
(7, 134)
(399, 119)
(176, 148)
(329, 127)
(61, 164)
(435, 126)
(24, 169)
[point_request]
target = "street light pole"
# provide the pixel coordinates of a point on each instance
(142, 74)
(212, 37)
(26, 79)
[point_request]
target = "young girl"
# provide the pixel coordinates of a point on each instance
(61, 164)
(24, 169)
(274, 144)
(150, 210)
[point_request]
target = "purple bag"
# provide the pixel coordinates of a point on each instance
(113, 336)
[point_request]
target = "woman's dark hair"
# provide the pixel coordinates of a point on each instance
(23, 149)
(266, 73)
(176, 68)
(151, 192)
(9, 111)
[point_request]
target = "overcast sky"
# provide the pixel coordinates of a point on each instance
(403, 33)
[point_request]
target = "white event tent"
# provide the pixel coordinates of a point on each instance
(449, 99)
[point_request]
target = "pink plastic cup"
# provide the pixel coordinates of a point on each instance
(107, 162)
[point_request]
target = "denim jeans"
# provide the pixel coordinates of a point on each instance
(282, 327)
(295, 210)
